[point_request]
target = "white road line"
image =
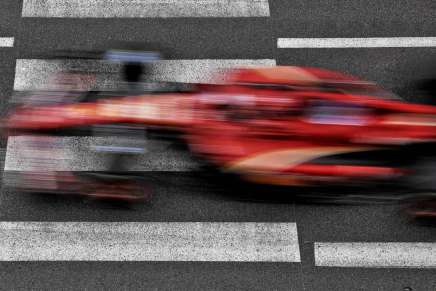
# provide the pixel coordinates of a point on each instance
(6, 41)
(149, 241)
(371, 42)
(145, 8)
(376, 255)
(77, 156)
(31, 74)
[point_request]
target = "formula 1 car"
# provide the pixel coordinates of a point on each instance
(286, 126)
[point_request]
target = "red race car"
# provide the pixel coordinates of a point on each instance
(275, 125)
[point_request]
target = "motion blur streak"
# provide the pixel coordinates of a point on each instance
(33, 74)
(273, 125)
(77, 156)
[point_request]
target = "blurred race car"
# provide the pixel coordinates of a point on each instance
(281, 125)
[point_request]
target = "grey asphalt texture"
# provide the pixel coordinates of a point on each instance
(181, 197)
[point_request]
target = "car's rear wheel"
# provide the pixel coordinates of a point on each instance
(422, 184)
(117, 187)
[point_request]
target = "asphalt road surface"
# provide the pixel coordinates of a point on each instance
(195, 235)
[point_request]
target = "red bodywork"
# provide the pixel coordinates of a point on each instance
(269, 125)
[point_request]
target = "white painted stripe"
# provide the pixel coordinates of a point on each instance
(371, 42)
(145, 8)
(376, 255)
(149, 241)
(32, 74)
(6, 41)
(77, 156)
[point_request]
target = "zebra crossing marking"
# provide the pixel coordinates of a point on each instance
(376, 254)
(149, 241)
(7, 41)
(354, 42)
(145, 8)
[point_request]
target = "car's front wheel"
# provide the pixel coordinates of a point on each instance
(423, 175)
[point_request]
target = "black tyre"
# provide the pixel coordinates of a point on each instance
(423, 175)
